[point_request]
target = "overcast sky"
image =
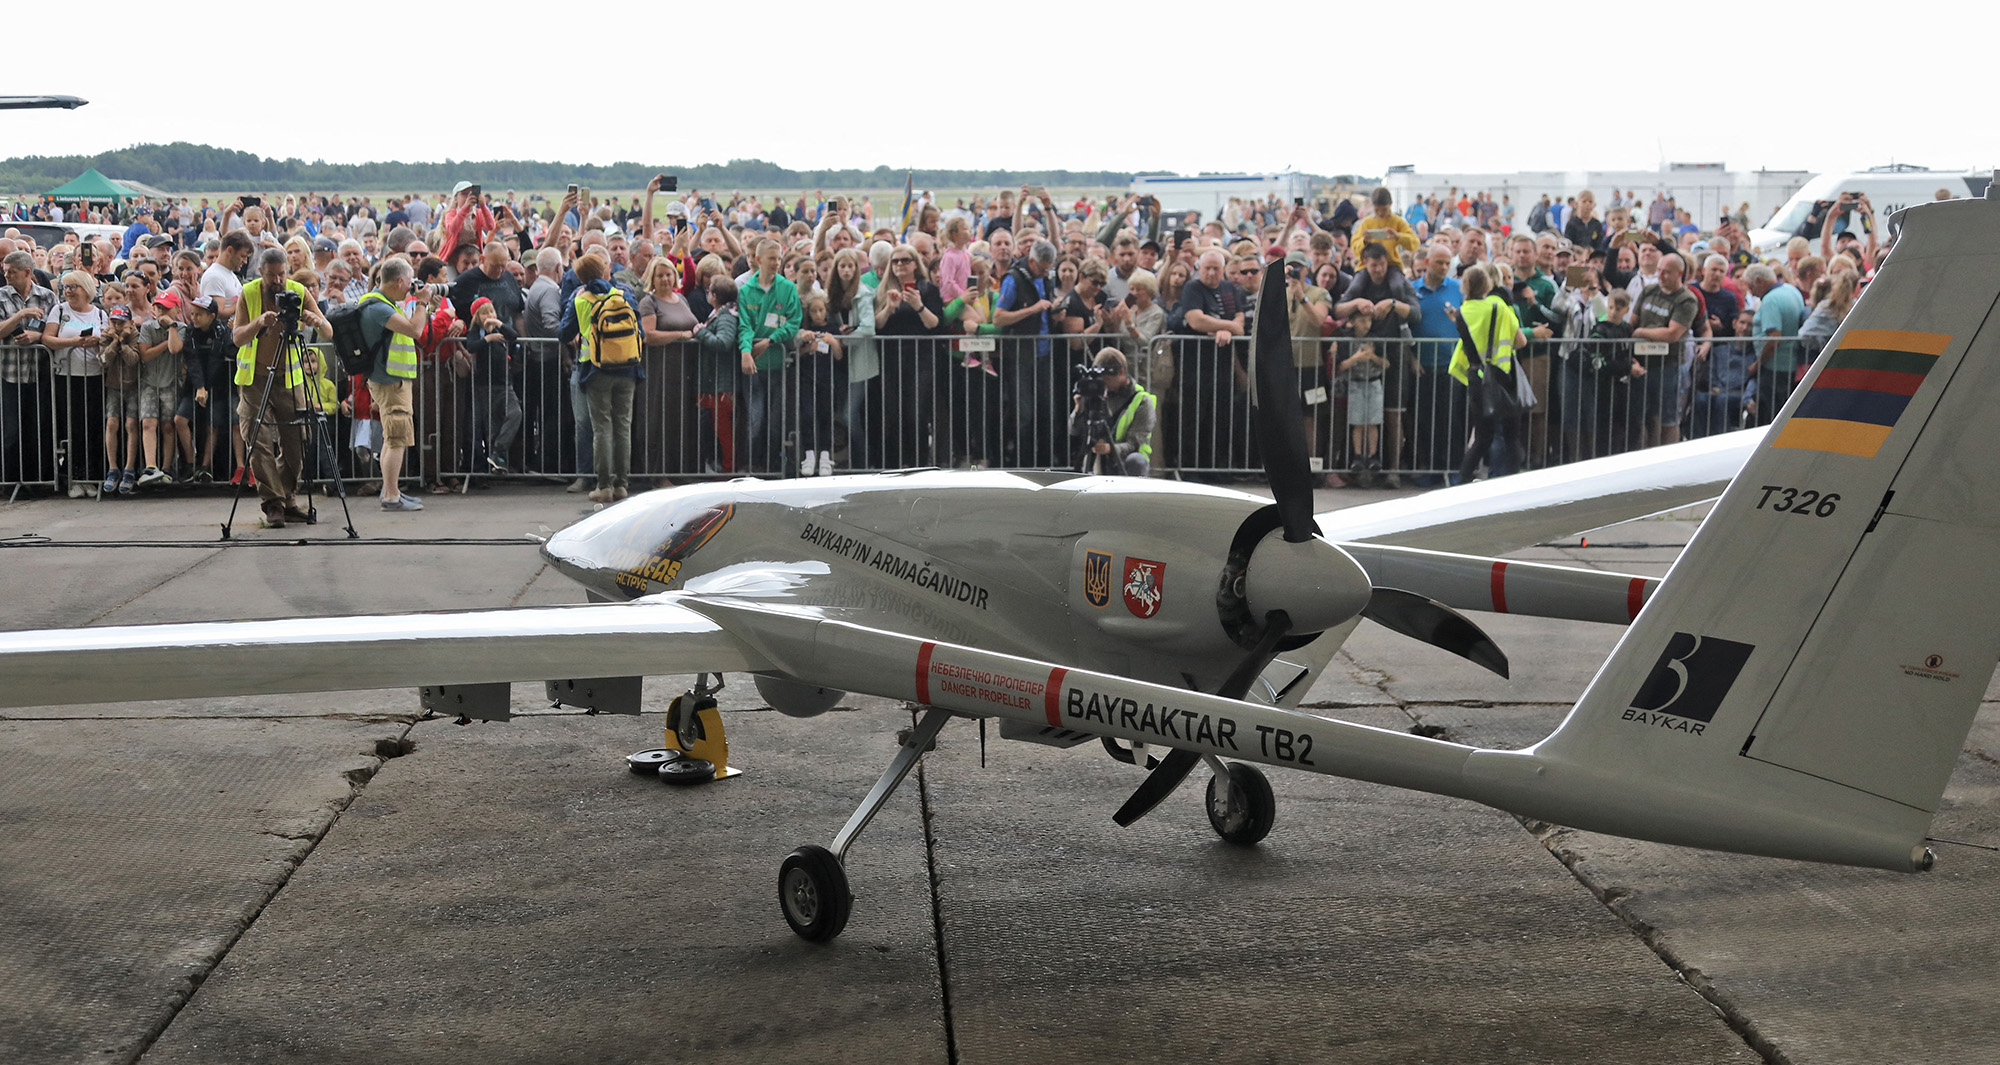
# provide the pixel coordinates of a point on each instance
(1489, 90)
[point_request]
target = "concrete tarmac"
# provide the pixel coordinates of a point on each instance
(325, 878)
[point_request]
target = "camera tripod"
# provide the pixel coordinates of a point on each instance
(1089, 387)
(317, 434)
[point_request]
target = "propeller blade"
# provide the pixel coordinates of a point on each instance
(1158, 784)
(1278, 409)
(1434, 623)
(1276, 624)
(1174, 768)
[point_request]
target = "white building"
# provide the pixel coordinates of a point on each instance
(1704, 190)
(1210, 193)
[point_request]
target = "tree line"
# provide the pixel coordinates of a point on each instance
(183, 167)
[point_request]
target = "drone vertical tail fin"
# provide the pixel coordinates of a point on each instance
(1802, 683)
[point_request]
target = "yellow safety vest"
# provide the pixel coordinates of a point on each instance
(583, 303)
(1479, 316)
(246, 356)
(1139, 395)
(401, 359)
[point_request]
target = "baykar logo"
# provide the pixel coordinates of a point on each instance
(1688, 683)
(1097, 578)
(1145, 586)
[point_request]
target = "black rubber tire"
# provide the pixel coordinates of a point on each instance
(1256, 806)
(813, 895)
(647, 763)
(685, 770)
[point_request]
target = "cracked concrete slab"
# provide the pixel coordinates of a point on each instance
(1372, 925)
(132, 854)
(511, 893)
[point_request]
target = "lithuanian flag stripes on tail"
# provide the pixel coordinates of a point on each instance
(1862, 390)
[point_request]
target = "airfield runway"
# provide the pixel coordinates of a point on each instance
(324, 878)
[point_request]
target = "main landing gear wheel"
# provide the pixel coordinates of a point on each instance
(812, 892)
(1241, 807)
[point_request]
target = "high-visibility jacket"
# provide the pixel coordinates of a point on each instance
(1140, 397)
(246, 355)
(1479, 317)
(401, 358)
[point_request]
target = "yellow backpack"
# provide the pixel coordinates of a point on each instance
(614, 329)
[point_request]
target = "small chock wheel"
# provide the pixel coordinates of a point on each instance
(647, 763)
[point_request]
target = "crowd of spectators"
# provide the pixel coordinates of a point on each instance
(802, 336)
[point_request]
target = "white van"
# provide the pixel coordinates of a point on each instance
(1889, 189)
(50, 234)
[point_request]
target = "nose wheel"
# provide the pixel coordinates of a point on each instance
(1241, 807)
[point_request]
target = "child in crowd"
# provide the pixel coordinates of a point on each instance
(1724, 381)
(203, 342)
(1364, 367)
(955, 262)
(819, 349)
(121, 396)
(716, 377)
(324, 392)
(163, 394)
(1614, 362)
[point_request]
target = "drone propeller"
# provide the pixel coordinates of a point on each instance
(1278, 407)
(1272, 586)
(1422, 618)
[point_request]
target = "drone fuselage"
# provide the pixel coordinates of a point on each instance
(1114, 574)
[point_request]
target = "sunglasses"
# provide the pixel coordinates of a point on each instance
(902, 262)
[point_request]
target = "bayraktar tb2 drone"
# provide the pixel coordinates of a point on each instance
(1798, 686)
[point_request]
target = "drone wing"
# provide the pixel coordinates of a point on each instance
(126, 663)
(1509, 513)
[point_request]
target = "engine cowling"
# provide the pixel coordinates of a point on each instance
(796, 698)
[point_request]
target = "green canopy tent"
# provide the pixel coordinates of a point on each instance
(93, 187)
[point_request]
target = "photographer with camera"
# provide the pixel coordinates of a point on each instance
(1113, 416)
(271, 381)
(392, 324)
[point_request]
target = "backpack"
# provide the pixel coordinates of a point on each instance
(350, 342)
(614, 330)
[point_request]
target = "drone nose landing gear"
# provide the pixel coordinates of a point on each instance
(812, 883)
(696, 750)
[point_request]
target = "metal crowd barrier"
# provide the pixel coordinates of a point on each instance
(1375, 406)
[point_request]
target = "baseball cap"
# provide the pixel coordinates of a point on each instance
(1153, 244)
(1297, 258)
(143, 209)
(160, 241)
(121, 314)
(463, 186)
(325, 244)
(677, 209)
(206, 303)
(169, 299)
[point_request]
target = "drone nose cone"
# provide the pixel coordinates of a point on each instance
(1314, 582)
(579, 550)
(562, 552)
